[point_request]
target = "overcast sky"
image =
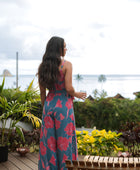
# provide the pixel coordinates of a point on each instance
(102, 36)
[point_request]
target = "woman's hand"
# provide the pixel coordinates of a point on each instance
(80, 95)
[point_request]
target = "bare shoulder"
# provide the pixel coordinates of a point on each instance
(68, 64)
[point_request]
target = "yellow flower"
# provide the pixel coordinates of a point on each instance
(79, 141)
(109, 131)
(86, 138)
(103, 132)
(94, 132)
(100, 139)
(85, 132)
(118, 149)
(78, 132)
(92, 139)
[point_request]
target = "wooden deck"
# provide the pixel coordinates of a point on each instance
(16, 162)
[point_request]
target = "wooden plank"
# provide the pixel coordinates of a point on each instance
(32, 158)
(120, 161)
(138, 164)
(9, 165)
(82, 164)
(26, 161)
(81, 157)
(86, 157)
(35, 154)
(69, 164)
(2, 167)
(130, 162)
(125, 163)
(106, 160)
(101, 162)
(110, 162)
(95, 161)
(18, 162)
(89, 162)
(116, 162)
(75, 163)
(136, 161)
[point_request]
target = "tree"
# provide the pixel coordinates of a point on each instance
(100, 94)
(102, 79)
(79, 78)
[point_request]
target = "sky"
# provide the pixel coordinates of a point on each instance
(102, 36)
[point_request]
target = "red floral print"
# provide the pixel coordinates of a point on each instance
(70, 139)
(47, 168)
(50, 112)
(44, 110)
(52, 160)
(43, 148)
(58, 104)
(72, 117)
(63, 143)
(57, 124)
(54, 113)
(69, 129)
(52, 144)
(45, 131)
(58, 94)
(61, 116)
(73, 156)
(43, 164)
(69, 104)
(48, 122)
(41, 133)
(64, 158)
(50, 97)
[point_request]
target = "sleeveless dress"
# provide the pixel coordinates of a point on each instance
(58, 136)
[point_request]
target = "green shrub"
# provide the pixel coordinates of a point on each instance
(106, 113)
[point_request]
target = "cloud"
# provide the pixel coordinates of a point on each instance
(135, 1)
(19, 3)
(96, 25)
(94, 31)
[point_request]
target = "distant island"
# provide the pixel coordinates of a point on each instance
(6, 73)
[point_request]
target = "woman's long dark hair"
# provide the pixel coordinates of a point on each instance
(48, 70)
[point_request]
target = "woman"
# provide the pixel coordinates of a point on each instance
(58, 137)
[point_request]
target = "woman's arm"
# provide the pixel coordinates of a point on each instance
(68, 82)
(42, 94)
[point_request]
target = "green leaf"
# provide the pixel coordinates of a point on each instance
(1, 86)
(30, 86)
(20, 132)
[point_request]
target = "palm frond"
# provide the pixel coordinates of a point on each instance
(2, 85)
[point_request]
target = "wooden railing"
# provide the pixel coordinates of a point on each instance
(102, 163)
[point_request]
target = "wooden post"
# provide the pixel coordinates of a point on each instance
(16, 69)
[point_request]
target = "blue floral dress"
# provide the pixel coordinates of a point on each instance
(58, 136)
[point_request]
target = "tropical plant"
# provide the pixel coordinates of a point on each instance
(30, 94)
(99, 94)
(15, 110)
(78, 78)
(98, 142)
(36, 122)
(102, 79)
(9, 109)
(2, 85)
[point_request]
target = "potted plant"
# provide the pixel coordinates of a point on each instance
(8, 124)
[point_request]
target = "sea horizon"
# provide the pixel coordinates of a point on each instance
(124, 84)
(77, 74)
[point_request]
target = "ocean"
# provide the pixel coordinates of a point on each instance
(125, 85)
